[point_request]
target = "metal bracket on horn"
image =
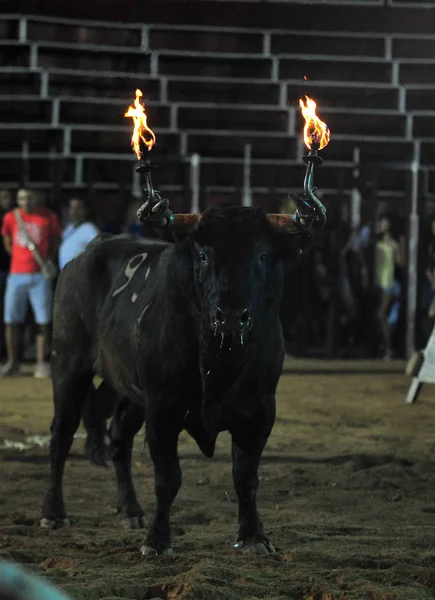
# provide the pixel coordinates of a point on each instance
(310, 213)
(155, 210)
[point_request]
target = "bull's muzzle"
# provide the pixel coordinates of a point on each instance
(232, 321)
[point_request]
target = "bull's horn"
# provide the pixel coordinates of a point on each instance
(189, 219)
(283, 222)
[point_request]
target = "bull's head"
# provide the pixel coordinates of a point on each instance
(237, 255)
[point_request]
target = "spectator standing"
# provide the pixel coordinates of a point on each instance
(389, 254)
(428, 291)
(31, 236)
(292, 313)
(6, 203)
(426, 318)
(132, 224)
(347, 236)
(78, 233)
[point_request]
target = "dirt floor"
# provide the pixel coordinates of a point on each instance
(347, 495)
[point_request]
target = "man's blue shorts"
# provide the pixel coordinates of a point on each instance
(22, 288)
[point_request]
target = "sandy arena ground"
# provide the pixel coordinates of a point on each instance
(347, 495)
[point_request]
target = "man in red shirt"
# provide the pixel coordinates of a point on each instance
(26, 282)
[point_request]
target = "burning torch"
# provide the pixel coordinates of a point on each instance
(155, 207)
(310, 211)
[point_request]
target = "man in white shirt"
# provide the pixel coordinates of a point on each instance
(78, 233)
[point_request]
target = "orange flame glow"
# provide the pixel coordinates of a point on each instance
(141, 130)
(316, 132)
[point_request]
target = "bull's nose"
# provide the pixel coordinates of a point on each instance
(232, 320)
(220, 318)
(244, 317)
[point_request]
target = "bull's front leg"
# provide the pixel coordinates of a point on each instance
(162, 435)
(249, 438)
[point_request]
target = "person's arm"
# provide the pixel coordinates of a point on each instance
(349, 244)
(7, 243)
(6, 232)
(429, 270)
(429, 275)
(55, 236)
(54, 247)
(92, 231)
(400, 254)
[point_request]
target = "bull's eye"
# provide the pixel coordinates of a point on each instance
(263, 257)
(199, 253)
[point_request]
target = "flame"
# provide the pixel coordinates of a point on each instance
(316, 132)
(137, 112)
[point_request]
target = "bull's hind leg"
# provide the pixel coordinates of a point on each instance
(70, 389)
(125, 424)
(249, 438)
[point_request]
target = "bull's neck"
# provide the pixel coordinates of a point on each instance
(174, 290)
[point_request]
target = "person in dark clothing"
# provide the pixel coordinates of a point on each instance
(292, 309)
(426, 320)
(133, 225)
(6, 203)
(428, 291)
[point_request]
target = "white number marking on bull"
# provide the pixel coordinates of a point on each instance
(132, 266)
(143, 312)
(135, 295)
(138, 322)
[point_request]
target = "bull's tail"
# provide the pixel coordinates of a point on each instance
(96, 448)
(98, 408)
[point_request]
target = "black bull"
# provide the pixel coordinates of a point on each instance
(185, 335)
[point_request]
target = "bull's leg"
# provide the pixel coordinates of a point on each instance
(162, 435)
(125, 424)
(249, 438)
(70, 390)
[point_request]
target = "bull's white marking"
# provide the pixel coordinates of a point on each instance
(143, 312)
(132, 266)
(135, 295)
(138, 322)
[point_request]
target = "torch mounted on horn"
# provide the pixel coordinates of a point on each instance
(310, 213)
(155, 209)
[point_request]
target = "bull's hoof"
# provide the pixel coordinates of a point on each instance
(147, 551)
(132, 522)
(54, 523)
(254, 547)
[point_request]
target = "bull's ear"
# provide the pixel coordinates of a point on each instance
(188, 221)
(183, 225)
(179, 226)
